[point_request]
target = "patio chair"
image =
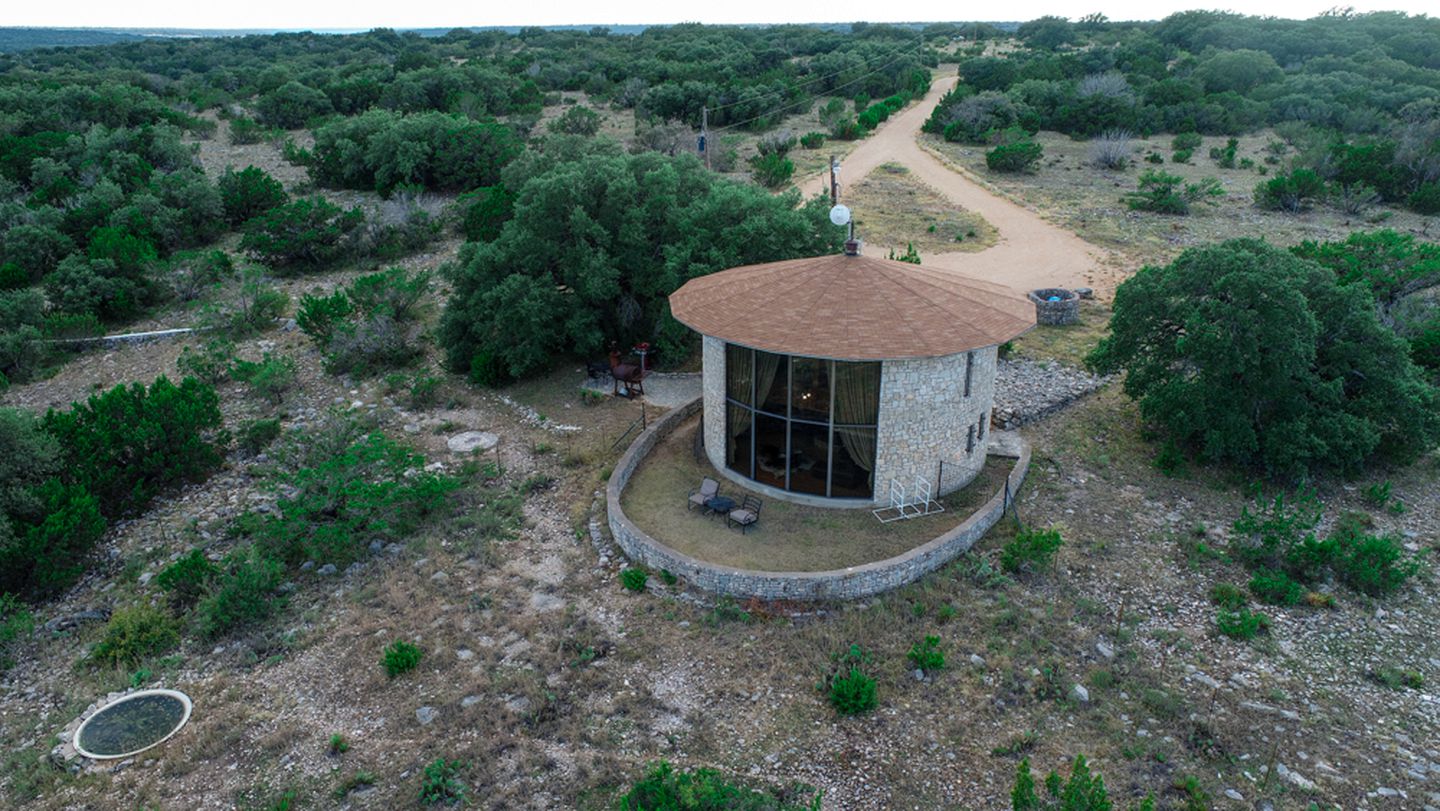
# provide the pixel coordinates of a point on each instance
(746, 514)
(709, 488)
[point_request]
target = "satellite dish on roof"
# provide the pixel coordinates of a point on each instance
(840, 215)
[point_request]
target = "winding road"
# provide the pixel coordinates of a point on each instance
(1031, 253)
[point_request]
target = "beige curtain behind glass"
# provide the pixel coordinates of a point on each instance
(857, 398)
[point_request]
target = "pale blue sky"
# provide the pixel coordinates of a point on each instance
(341, 14)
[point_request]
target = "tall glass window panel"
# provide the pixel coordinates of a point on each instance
(809, 457)
(739, 373)
(739, 430)
(772, 382)
(857, 393)
(852, 474)
(770, 450)
(810, 389)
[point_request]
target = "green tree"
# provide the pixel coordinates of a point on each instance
(1046, 33)
(249, 193)
(1237, 71)
(598, 241)
(302, 235)
(292, 105)
(128, 444)
(1251, 355)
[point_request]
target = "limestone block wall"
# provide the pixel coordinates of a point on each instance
(712, 353)
(850, 583)
(926, 417)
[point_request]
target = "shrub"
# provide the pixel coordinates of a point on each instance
(1227, 595)
(1425, 199)
(665, 789)
(1186, 141)
(129, 444)
(246, 130)
(16, 622)
(1237, 317)
(1111, 150)
(1020, 156)
(47, 553)
(270, 377)
(317, 316)
(1164, 193)
(210, 363)
(338, 745)
(189, 275)
(1241, 623)
(1082, 791)
(188, 579)
(848, 689)
(1180, 156)
(364, 328)
(302, 235)
(852, 693)
(401, 657)
(342, 490)
(424, 391)
(1030, 550)
(1276, 588)
(1292, 193)
(812, 140)
(773, 170)
(578, 120)
(634, 579)
(926, 655)
(291, 105)
(253, 307)
(846, 129)
(1372, 564)
(256, 435)
(248, 193)
(1224, 157)
(132, 634)
(439, 784)
(1397, 678)
(244, 594)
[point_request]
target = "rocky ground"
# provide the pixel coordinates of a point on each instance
(551, 686)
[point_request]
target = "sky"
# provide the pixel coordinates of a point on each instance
(365, 14)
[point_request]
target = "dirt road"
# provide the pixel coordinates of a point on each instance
(1031, 252)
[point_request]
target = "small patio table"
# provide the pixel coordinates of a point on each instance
(720, 505)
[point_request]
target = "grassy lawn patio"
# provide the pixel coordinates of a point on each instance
(789, 537)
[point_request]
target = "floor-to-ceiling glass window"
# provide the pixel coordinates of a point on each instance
(802, 424)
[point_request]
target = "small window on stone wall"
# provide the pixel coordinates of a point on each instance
(984, 420)
(969, 370)
(970, 440)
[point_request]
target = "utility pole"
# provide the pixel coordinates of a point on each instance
(834, 184)
(705, 134)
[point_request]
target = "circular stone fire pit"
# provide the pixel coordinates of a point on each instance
(1056, 306)
(131, 724)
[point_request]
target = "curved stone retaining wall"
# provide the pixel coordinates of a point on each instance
(841, 584)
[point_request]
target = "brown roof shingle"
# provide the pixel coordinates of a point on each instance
(852, 308)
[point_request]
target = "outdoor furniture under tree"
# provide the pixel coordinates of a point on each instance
(747, 514)
(709, 488)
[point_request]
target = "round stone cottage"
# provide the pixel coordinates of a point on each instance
(826, 379)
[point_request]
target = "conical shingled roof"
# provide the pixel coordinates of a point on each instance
(852, 308)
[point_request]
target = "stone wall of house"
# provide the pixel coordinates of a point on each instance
(926, 418)
(713, 393)
(839, 584)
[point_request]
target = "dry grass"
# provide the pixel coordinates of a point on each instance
(893, 209)
(1076, 196)
(789, 537)
(1071, 343)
